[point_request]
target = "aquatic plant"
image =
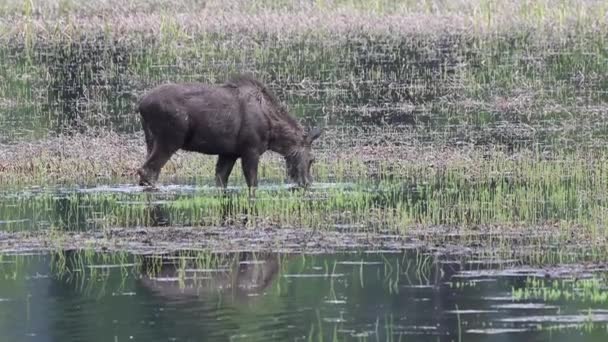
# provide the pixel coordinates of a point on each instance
(581, 290)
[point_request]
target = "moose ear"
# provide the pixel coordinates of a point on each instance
(313, 134)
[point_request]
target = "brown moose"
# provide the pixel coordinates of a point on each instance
(238, 119)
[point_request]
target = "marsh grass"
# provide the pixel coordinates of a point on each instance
(476, 127)
(438, 65)
(382, 188)
(458, 113)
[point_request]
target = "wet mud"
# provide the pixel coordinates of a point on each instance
(214, 239)
(451, 240)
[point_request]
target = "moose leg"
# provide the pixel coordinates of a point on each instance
(149, 139)
(249, 163)
(223, 168)
(148, 173)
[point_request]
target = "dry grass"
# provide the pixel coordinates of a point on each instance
(285, 18)
(103, 156)
(515, 61)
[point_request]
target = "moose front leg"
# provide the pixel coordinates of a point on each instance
(250, 162)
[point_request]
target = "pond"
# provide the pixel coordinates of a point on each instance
(362, 295)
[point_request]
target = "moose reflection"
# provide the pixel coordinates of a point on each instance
(240, 275)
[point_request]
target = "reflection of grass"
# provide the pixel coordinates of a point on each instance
(107, 274)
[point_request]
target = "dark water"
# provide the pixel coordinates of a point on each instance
(358, 296)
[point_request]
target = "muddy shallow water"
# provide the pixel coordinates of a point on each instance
(126, 218)
(350, 296)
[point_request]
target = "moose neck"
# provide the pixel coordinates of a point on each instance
(284, 139)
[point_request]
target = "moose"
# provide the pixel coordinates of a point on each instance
(240, 118)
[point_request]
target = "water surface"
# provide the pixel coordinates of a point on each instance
(364, 295)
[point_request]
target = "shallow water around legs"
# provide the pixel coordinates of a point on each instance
(358, 296)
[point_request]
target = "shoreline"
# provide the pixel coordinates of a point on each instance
(453, 240)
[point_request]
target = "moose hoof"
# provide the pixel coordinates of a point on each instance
(143, 178)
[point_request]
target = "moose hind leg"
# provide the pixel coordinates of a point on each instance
(165, 134)
(149, 138)
(149, 172)
(223, 168)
